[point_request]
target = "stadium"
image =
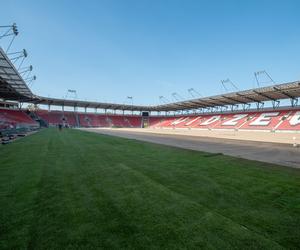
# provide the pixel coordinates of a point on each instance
(206, 172)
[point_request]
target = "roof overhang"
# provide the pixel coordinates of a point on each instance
(289, 90)
(12, 85)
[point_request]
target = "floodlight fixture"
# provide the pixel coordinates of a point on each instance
(30, 80)
(25, 70)
(15, 29)
(25, 53)
(72, 92)
(20, 54)
(130, 98)
(12, 30)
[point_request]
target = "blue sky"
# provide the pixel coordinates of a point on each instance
(107, 50)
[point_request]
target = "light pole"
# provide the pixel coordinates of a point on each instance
(72, 91)
(194, 93)
(163, 100)
(230, 82)
(131, 98)
(177, 97)
(262, 72)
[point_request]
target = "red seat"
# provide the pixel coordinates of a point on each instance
(263, 120)
(58, 117)
(14, 118)
(252, 120)
(290, 121)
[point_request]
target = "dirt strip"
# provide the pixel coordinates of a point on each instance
(258, 135)
(277, 153)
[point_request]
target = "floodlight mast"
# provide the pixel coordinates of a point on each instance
(262, 72)
(25, 70)
(177, 97)
(73, 92)
(131, 99)
(224, 86)
(194, 93)
(30, 81)
(163, 100)
(10, 30)
(23, 54)
(17, 55)
(223, 82)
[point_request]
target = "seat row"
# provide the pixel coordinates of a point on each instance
(10, 118)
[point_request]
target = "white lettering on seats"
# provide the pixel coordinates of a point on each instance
(192, 121)
(234, 121)
(211, 120)
(180, 120)
(264, 119)
(295, 120)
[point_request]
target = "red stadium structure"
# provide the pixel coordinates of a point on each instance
(281, 120)
(230, 111)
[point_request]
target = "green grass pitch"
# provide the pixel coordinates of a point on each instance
(79, 190)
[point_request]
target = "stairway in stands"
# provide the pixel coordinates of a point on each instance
(127, 123)
(36, 118)
(77, 120)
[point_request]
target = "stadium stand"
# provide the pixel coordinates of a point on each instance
(281, 120)
(53, 118)
(264, 120)
(70, 119)
(290, 122)
(15, 118)
(14, 124)
(134, 121)
(154, 121)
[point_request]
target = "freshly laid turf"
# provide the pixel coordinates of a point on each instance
(78, 190)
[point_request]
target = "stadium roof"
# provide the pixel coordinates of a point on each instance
(87, 104)
(271, 93)
(13, 87)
